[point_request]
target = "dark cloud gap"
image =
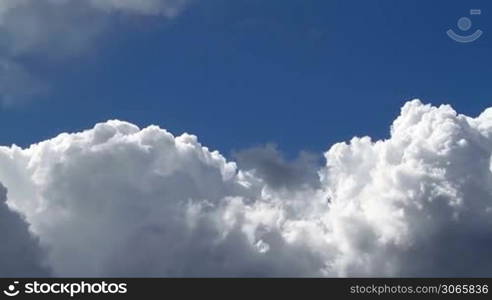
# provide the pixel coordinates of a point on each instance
(20, 253)
(270, 164)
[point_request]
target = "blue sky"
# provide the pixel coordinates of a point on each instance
(301, 74)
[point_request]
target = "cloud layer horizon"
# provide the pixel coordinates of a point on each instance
(117, 200)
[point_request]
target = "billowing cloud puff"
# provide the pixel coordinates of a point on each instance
(60, 29)
(117, 200)
(419, 203)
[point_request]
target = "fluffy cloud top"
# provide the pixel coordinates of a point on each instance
(117, 200)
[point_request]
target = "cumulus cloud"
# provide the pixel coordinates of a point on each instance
(117, 200)
(61, 29)
(418, 203)
(20, 254)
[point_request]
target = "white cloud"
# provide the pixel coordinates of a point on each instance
(104, 199)
(117, 200)
(57, 29)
